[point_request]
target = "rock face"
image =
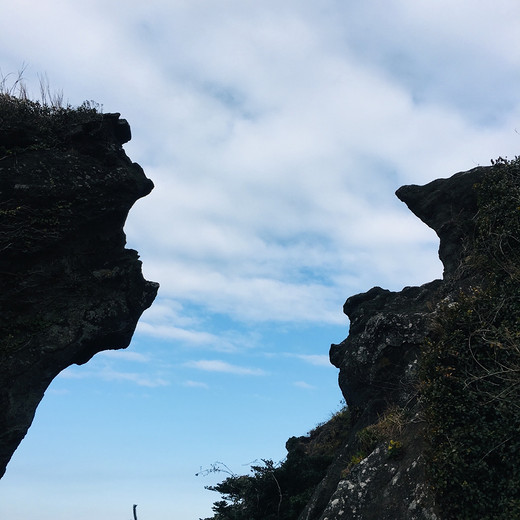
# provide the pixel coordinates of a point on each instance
(378, 364)
(69, 287)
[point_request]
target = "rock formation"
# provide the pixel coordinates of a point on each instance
(69, 287)
(378, 372)
(431, 378)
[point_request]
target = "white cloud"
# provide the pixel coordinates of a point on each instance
(252, 298)
(107, 366)
(303, 384)
(196, 384)
(224, 367)
(175, 333)
(168, 311)
(107, 373)
(314, 359)
(172, 322)
(57, 391)
(139, 379)
(124, 355)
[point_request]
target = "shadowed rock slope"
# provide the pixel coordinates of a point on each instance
(69, 288)
(431, 374)
(378, 364)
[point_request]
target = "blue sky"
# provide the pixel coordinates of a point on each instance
(276, 134)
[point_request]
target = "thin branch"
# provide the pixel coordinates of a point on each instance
(494, 448)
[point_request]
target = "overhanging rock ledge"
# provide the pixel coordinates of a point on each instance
(69, 287)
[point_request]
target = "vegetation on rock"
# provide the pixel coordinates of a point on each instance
(27, 124)
(388, 428)
(471, 368)
(281, 491)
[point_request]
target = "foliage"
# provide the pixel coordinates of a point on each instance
(389, 425)
(30, 124)
(394, 449)
(281, 491)
(355, 460)
(38, 126)
(471, 369)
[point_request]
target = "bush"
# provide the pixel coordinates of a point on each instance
(27, 124)
(30, 124)
(281, 491)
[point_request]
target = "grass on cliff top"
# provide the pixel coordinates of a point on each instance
(26, 122)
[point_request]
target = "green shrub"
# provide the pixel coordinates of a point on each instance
(357, 458)
(394, 449)
(281, 491)
(389, 425)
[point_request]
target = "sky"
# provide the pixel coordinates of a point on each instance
(276, 133)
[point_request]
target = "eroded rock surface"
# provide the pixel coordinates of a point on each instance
(378, 363)
(69, 288)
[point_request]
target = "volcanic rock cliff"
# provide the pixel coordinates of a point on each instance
(69, 288)
(382, 472)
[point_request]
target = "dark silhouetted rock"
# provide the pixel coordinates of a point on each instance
(69, 287)
(378, 364)
(448, 207)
